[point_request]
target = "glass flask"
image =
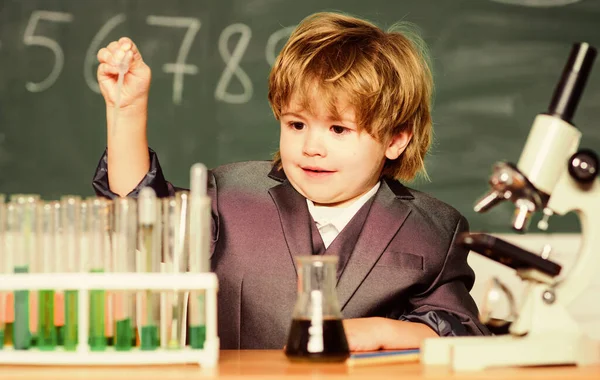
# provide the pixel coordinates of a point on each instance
(498, 298)
(317, 332)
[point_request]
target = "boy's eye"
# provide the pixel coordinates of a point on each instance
(297, 125)
(338, 130)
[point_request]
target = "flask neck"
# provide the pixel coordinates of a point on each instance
(317, 296)
(317, 276)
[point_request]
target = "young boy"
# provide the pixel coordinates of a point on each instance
(354, 107)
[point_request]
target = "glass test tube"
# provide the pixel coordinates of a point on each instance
(23, 230)
(199, 250)
(176, 222)
(71, 258)
(57, 241)
(166, 297)
(109, 266)
(10, 244)
(46, 232)
(14, 214)
(98, 228)
(124, 239)
(3, 269)
(27, 240)
(149, 237)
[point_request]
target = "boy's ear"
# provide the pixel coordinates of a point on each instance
(398, 144)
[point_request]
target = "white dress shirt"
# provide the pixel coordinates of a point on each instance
(332, 220)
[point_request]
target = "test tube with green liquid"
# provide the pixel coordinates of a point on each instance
(149, 237)
(24, 255)
(109, 266)
(30, 247)
(98, 228)
(3, 269)
(10, 244)
(199, 251)
(73, 221)
(124, 238)
(176, 223)
(57, 242)
(166, 297)
(47, 338)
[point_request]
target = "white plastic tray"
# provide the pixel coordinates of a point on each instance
(83, 283)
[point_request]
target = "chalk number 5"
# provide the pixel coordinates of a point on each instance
(31, 39)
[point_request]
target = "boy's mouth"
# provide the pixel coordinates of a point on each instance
(316, 171)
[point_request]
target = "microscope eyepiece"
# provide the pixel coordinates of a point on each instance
(572, 82)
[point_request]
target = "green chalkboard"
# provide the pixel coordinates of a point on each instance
(496, 63)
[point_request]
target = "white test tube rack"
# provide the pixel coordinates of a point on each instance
(85, 282)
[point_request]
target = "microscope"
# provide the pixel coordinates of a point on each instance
(554, 177)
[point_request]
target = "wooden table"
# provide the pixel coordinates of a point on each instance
(274, 365)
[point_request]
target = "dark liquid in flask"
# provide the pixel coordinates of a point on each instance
(334, 347)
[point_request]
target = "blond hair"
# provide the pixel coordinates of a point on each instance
(385, 77)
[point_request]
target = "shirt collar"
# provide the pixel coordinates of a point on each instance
(339, 217)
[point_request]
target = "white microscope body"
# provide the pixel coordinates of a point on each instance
(553, 177)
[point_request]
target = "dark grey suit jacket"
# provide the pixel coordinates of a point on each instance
(403, 266)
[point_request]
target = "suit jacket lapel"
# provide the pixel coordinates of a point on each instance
(344, 243)
(294, 216)
(388, 212)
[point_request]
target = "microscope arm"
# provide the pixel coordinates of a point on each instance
(585, 202)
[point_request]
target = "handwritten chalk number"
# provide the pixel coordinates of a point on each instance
(179, 68)
(90, 62)
(232, 63)
(281, 34)
(31, 39)
(240, 33)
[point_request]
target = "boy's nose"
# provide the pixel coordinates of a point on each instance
(313, 144)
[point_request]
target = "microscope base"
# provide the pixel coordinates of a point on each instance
(478, 353)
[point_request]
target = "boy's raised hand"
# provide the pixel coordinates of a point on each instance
(127, 150)
(136, 81)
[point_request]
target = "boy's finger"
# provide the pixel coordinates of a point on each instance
(134, 48)
(104, 55)
(118, 57)
(113, 46)
(125, 43)
(104, 69)
(137, 56)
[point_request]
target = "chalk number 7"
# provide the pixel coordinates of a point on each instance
(31, 39)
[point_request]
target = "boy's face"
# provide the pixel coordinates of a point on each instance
(328, 161)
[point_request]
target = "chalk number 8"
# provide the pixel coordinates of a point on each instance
(32, 40)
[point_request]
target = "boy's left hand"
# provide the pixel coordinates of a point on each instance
(371, 334)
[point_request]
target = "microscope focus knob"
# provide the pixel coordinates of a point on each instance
(583, 166)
